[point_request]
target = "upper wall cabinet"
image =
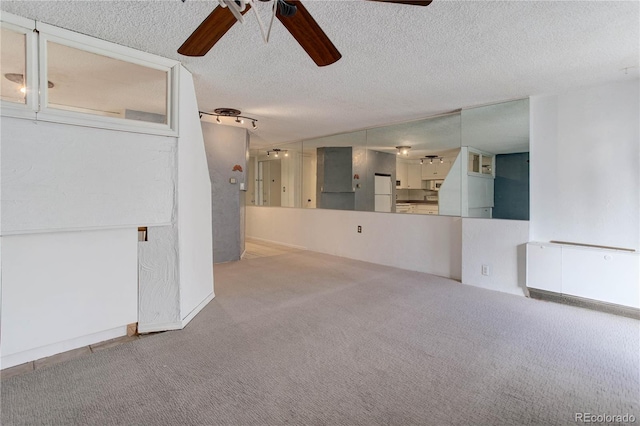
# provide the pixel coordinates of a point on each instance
(85, 81)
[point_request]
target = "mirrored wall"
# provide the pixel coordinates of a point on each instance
(471, 163)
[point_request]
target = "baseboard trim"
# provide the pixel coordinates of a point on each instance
(581, 302)
(178, 325)
(186, 320)
(18, 358)
(280, 243)
(154, 328)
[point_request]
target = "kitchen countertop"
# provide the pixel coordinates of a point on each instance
(435, 203)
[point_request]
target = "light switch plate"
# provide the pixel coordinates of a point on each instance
(232, 180)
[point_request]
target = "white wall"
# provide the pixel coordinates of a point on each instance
(422, 243)
(61, 177)
(194, 207)
(585, 162)
(176, 263)
(499, 244)
(65, 290)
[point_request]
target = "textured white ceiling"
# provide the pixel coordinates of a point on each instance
(399, 62)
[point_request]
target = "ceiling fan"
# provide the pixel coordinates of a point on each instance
(293, 15)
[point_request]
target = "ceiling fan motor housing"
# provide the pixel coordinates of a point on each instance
(286, 9)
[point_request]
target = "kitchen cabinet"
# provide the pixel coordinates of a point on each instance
(436, 170)
(404, 208)
(426, 209)
(414, 176)
(402, 174)
(481, 163)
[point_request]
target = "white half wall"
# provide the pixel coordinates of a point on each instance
(501, 246)
(194, 206)
(423, 243)
(585, 162)
(83, 178)
(64, 290)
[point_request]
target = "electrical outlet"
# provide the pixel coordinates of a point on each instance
(485, 270)
(359, 229)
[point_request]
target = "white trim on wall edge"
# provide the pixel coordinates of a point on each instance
(59, 347)
(80, 229)
(186, 320)
(178, 325)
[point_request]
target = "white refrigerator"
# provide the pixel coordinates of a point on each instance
(382, 191)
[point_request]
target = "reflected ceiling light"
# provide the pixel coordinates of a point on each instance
(19, 78)
(277, 151)
(403, 150)
(230, 112)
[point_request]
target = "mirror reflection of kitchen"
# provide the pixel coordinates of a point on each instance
(471, 163)
(425, 154)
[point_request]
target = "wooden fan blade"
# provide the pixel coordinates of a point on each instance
(209, 32)
(411, 2)
(308, 33)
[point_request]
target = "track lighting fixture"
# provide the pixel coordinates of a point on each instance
(277, 152)
(232, 113)
(430, 158)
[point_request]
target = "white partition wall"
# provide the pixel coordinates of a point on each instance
(423, 243)
(194, 207)
(72, 200)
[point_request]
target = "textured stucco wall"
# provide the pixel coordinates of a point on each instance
(226, 146)
(158, 276)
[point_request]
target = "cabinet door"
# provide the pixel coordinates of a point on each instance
(544, 267)
(402, 174)
(414, 176)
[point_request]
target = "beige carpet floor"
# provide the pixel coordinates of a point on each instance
(310, 339)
